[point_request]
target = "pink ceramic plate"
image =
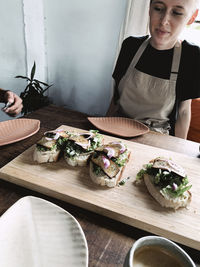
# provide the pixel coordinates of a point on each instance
(119, 126)
(18, 129)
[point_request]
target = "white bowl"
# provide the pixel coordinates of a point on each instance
(162, 242)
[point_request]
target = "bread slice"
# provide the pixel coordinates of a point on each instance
(103, 179)
(45, 156)
(81, 160)
(108, 176)
(166, 200)
(111, 171)
(80, 146)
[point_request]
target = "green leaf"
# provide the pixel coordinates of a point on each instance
(40, 82)
(140, 174)
(32, 96)
(47, 88)
(33, 71)
(39, 88)
(23, 77)
(26, 89)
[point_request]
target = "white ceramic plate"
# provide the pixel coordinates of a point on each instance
(18, 129)
(37, 233)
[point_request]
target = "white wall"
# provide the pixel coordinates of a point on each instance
(12, 47)
(82, 39)
(74, 44)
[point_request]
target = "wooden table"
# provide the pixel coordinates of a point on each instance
(108, 241)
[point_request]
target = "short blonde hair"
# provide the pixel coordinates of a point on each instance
(197, 4)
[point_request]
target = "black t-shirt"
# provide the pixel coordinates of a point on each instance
(158, 63)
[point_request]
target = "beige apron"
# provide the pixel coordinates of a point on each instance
(147, 98)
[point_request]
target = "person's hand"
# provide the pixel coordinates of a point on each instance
(14, 103)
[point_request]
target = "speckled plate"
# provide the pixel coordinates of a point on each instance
(15, 130)
(119, 126)
(37, 233)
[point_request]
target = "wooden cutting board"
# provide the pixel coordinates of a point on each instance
(129, 203)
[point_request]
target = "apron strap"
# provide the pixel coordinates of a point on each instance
(138, 55)
(176, 61)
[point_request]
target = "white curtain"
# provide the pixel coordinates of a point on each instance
(135, 23)
(136, 19)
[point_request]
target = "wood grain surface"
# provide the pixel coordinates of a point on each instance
(108, 240)
(128, 204)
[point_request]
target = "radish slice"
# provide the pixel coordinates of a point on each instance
(110, 152)
(122, 146)
(174, 187)
(48, 138)
(106, 162)
(54, 131)
(55, 137)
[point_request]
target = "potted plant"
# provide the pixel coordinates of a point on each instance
(33, 95)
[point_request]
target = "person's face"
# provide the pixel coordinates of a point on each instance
(167, 20)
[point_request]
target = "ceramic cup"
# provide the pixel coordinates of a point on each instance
(162, 242)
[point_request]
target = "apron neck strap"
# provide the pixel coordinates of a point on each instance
(175, 60)
(139, 52)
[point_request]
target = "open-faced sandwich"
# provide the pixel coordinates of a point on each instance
(49, 147)
(167, 182)
(80, 146)
(108, 162)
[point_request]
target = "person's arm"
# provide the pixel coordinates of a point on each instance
(183, 121)
(14, 100)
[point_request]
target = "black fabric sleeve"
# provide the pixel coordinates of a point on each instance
(128, 49)
(188, 83)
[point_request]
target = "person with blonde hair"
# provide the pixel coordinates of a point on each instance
(157, 76)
